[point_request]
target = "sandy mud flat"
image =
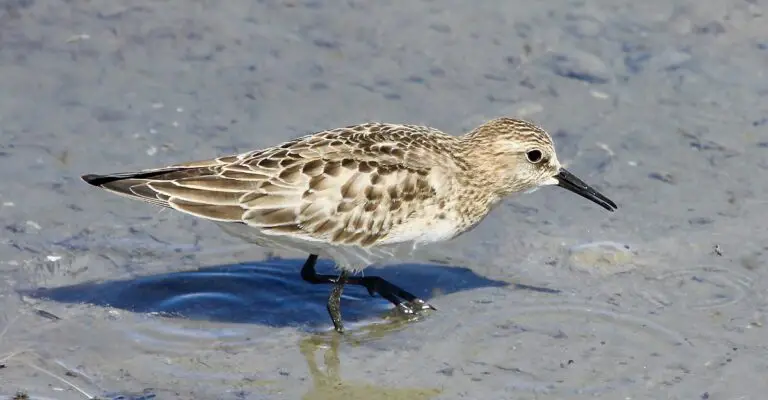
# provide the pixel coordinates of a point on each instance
(662, 105)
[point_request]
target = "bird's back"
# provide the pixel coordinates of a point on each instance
(363, 185)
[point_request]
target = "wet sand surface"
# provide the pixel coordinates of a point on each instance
(661, 105)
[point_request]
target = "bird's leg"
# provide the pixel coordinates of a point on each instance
(391, 292)
(374, 284)
(309, 274)
(334, 301)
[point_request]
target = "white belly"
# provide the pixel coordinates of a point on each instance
(349, 257)
(424, 231)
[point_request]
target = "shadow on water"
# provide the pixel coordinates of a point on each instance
(268, 292)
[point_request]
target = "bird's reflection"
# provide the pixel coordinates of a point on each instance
(328, 384)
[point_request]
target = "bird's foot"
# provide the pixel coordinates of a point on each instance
(414, 306)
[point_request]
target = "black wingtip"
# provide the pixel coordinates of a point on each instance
(101, 180)
(95, 180)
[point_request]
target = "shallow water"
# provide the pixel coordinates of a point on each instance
(660, 105)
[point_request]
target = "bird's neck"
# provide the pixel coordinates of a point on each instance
(480, 171)
(478, 181)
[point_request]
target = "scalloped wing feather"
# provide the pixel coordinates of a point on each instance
(345, 186)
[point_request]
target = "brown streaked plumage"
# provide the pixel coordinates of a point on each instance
(359, 194)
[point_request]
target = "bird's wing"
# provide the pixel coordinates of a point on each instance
(346, 186)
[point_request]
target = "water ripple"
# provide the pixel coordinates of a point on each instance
(697, 288)
(227, 307)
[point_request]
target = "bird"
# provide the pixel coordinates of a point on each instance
(360, 194)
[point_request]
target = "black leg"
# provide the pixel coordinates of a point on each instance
(374, 284)
(391, 292)
(308, 272)
(334, 301)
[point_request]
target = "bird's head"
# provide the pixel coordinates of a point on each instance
(518, 156)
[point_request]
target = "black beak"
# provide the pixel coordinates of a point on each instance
(568, 181)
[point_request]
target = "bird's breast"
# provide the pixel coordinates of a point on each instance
(426, 229)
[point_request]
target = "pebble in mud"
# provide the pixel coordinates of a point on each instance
(579, 65)
(754, 261)
(600, 258)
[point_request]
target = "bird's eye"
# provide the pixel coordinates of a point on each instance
(534, 156)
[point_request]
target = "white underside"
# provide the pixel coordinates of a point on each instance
(353, 258)
(400, 244)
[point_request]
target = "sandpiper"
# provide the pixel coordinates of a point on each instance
(359, 195)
